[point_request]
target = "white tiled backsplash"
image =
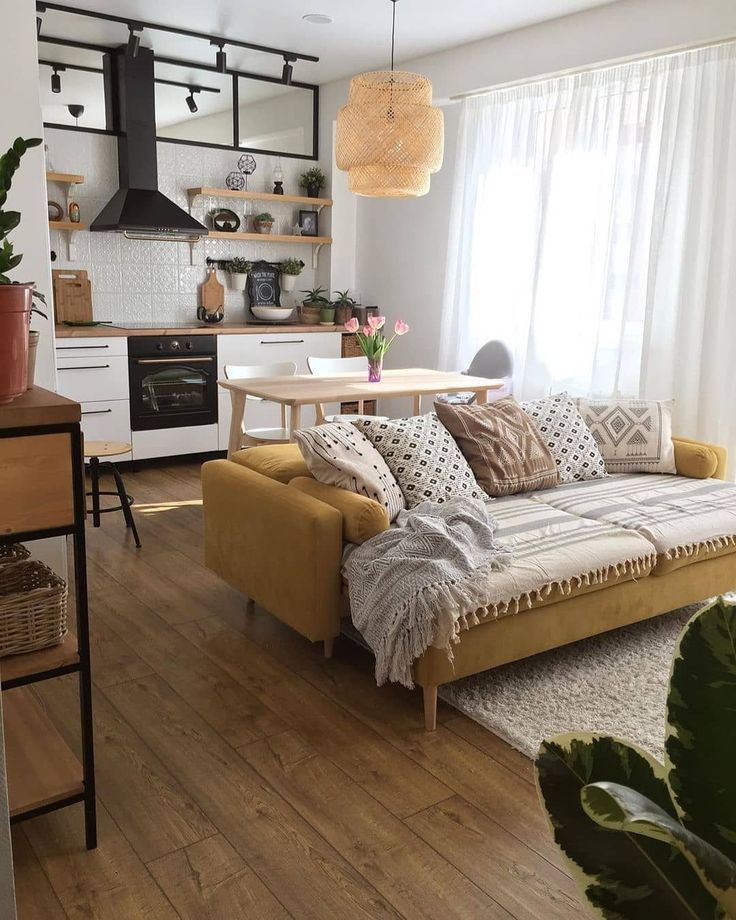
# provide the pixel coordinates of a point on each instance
(140, 281)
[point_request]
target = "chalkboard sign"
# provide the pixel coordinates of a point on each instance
(263, 285)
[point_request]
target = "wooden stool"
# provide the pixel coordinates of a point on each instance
(93, 450)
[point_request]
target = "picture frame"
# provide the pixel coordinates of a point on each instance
(309, 222)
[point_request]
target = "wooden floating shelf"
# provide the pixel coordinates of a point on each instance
(40, 767)
(65, 178)
(258, 196)
(34, 665)
(66, 225)
(271, 238)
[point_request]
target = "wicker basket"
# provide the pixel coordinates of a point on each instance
(33, 602)
(13, 552)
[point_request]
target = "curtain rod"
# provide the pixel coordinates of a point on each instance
(603, 65)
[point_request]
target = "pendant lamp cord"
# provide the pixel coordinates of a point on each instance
(393, 31)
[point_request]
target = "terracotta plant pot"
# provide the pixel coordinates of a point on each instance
(343, 314)
(309, 315)
(15, 320)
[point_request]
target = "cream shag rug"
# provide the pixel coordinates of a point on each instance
(613, 684)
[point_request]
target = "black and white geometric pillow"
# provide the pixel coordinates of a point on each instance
(423, 457)
(569, 439)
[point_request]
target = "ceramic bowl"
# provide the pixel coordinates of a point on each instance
(272, 313)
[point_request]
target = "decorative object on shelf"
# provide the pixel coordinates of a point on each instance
(389, 137)
(278, 178)
(296, 230)
(33, 603)
(47, 157)
(224, 220)
(272, 314)
(327, 315)
(56, 212)
(373, 342)
(263, 223)
(290, 271)
(76, 111)
(235, 181)
(247, 166)
(211, 298)
(313, 180)
(16, 299)
(362, 313)
(343, 305)
(74, 214)
(312, 305)
(263, 285)
(309, 222)
(238, 269)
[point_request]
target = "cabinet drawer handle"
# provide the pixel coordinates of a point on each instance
(78, 347)
(97, 412)
(283, 342)
(84, 367)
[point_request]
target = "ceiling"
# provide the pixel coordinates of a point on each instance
(357, 39)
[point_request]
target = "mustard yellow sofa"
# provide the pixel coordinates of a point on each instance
(277, 535)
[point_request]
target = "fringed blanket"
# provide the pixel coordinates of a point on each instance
(414, 586)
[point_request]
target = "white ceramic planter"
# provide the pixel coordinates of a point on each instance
(238, 280)
(288, 282)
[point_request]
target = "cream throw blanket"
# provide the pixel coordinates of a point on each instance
(414, 586)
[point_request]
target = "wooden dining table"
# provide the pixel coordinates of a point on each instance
(314, 390)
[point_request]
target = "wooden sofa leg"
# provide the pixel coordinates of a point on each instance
(328, 646)
(430, 707)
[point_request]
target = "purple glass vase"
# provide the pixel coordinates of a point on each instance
(375, 367)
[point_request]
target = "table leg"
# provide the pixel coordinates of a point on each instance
(237, 402)
(481, 397)
(294, 420)
(417, 405)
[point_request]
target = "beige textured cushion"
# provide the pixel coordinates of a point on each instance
(502, 445)
(633, 435)
(337, 454)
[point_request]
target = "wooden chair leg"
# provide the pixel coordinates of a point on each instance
(430, 707)
(328, 644)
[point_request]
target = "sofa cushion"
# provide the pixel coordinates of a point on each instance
(423, 457)
(567, 437)
(699, 461)
(338, 454)
(505, 450)
(684, 519)
(362, 518)
(633, 435)
(278, 461)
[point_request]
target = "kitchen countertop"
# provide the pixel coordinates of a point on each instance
(105, 331)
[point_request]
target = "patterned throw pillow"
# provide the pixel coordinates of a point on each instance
(423, 457)
(634, 435)
(502, 445)
(338, 454)
(567, 436)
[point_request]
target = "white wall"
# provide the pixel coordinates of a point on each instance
(401, 244)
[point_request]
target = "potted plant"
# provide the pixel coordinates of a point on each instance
(263, 223)
(312, 306)
(16, 299)
(290, 271)
(238, 270)
(313, 180)
(343, 305)
(373, 342)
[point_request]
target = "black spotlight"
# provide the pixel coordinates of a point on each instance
(287, 71)
(40, 9)
(220, 57)
(191, 102)
(55, 81)
(134, 40)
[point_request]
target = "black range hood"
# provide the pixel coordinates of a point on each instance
(138, 209)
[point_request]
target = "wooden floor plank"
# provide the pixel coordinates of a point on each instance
(114, 661)
(409, 874)
(307, 875)
(492, 745)
(34, 897)
(209, 881)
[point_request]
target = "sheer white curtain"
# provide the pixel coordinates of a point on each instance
(594, 231)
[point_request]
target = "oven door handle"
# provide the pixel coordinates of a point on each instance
(174, 360)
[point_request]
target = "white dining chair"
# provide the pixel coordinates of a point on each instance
(336, 367)
(251, 437)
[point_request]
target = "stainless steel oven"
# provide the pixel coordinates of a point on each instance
(173, 381)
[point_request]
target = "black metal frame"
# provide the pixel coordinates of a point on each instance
(83, 665)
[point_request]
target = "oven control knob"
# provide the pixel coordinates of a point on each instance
(188, 346)
(175, 346)
(159, 347)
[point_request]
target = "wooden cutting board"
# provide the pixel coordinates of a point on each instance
(212, 293)
(72, 296)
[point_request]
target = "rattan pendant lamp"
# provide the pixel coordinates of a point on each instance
(389, 137)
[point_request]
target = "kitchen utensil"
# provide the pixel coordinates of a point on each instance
(217, 317)
(72, 296)
(211, 292)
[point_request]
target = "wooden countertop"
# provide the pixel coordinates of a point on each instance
(105, 331)
(39, 407)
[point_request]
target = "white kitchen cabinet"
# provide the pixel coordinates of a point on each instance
(174, 442)
(106, 421)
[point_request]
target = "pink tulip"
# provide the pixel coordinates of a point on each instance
(368, 331)
(376, 322)
(352, 325)
(401, 328)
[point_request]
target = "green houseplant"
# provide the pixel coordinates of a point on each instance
(343, 305)
(313, 180)
(238, 269)
(290, 270)
(647, 840)
(16, 299)
(312, 306)
(263, 222)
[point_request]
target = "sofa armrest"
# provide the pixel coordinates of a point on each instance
(280, 547)
(362, 517)
(699, 460)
